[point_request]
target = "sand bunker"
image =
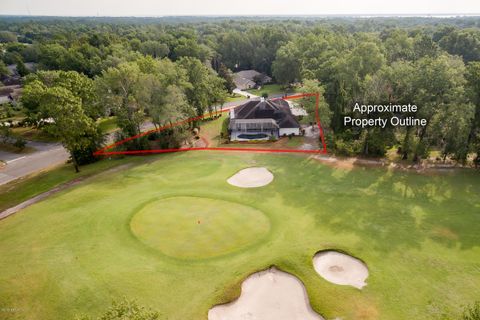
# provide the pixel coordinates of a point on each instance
(340, 268)
(251, 178)
(268, 295)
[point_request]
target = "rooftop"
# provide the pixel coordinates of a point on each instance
(278, 110)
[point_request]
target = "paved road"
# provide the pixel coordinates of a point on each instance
(20, 165)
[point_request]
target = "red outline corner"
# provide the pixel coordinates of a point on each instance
(104, 151)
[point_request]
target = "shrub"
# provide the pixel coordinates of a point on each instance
(20, 143)
(224, 132)
(5, 133)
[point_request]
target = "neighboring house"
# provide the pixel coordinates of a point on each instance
(13, 78)
(262, 119)
(248, 79)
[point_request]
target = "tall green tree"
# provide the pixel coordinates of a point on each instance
(473, 90)
(309, 103)
(3, 69)
(120, 90)
(77, 132)
(286, 67)
(440, 84)
(206, 87)
(154, 48)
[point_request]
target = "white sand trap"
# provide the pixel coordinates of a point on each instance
(268, 295)
(341, 269)
(251, 178)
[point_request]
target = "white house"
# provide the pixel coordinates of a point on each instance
(261, 120)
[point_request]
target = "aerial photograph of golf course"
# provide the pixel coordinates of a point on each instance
(239, 161)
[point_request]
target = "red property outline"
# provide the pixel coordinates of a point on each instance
(104, 152)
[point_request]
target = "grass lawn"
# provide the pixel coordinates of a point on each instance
(235, 97)
(211, 130)
(23, 189)
(271, 89)
(174, 235)
(107, 125)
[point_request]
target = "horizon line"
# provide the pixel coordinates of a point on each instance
(327, 15)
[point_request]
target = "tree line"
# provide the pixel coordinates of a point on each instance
(169, 69)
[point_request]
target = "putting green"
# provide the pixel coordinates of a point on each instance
(198, 228)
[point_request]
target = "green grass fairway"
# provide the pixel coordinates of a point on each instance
(134, 232)
(196, 228)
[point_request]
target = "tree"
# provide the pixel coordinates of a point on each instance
(473, 90)
(77, 83)
(365, 59)
(286, 67)
(30, 99)
(120, 89)
(3, 69)
(400, 77)
(21, 68)
(7, 36)
(52, 56)
(125, 310)
(439, 84)
(154, 49)
(226, 75)
(189, 47)
(464, 42)
(65, 97)
(452, 127)
(423, 46)
(170, 107)
(206, 87)
(71, 125)
(314, 86)
(399, 46)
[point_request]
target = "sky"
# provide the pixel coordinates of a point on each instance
(236, 7)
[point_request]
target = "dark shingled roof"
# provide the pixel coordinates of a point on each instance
(278, 110)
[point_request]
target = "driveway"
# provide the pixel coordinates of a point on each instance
(244, 93)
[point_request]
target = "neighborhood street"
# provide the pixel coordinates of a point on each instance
(45, 156)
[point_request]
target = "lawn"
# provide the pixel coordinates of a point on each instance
(107, 125)
(271, 89)
(23, 189)
(95, 242)
(235, 97)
